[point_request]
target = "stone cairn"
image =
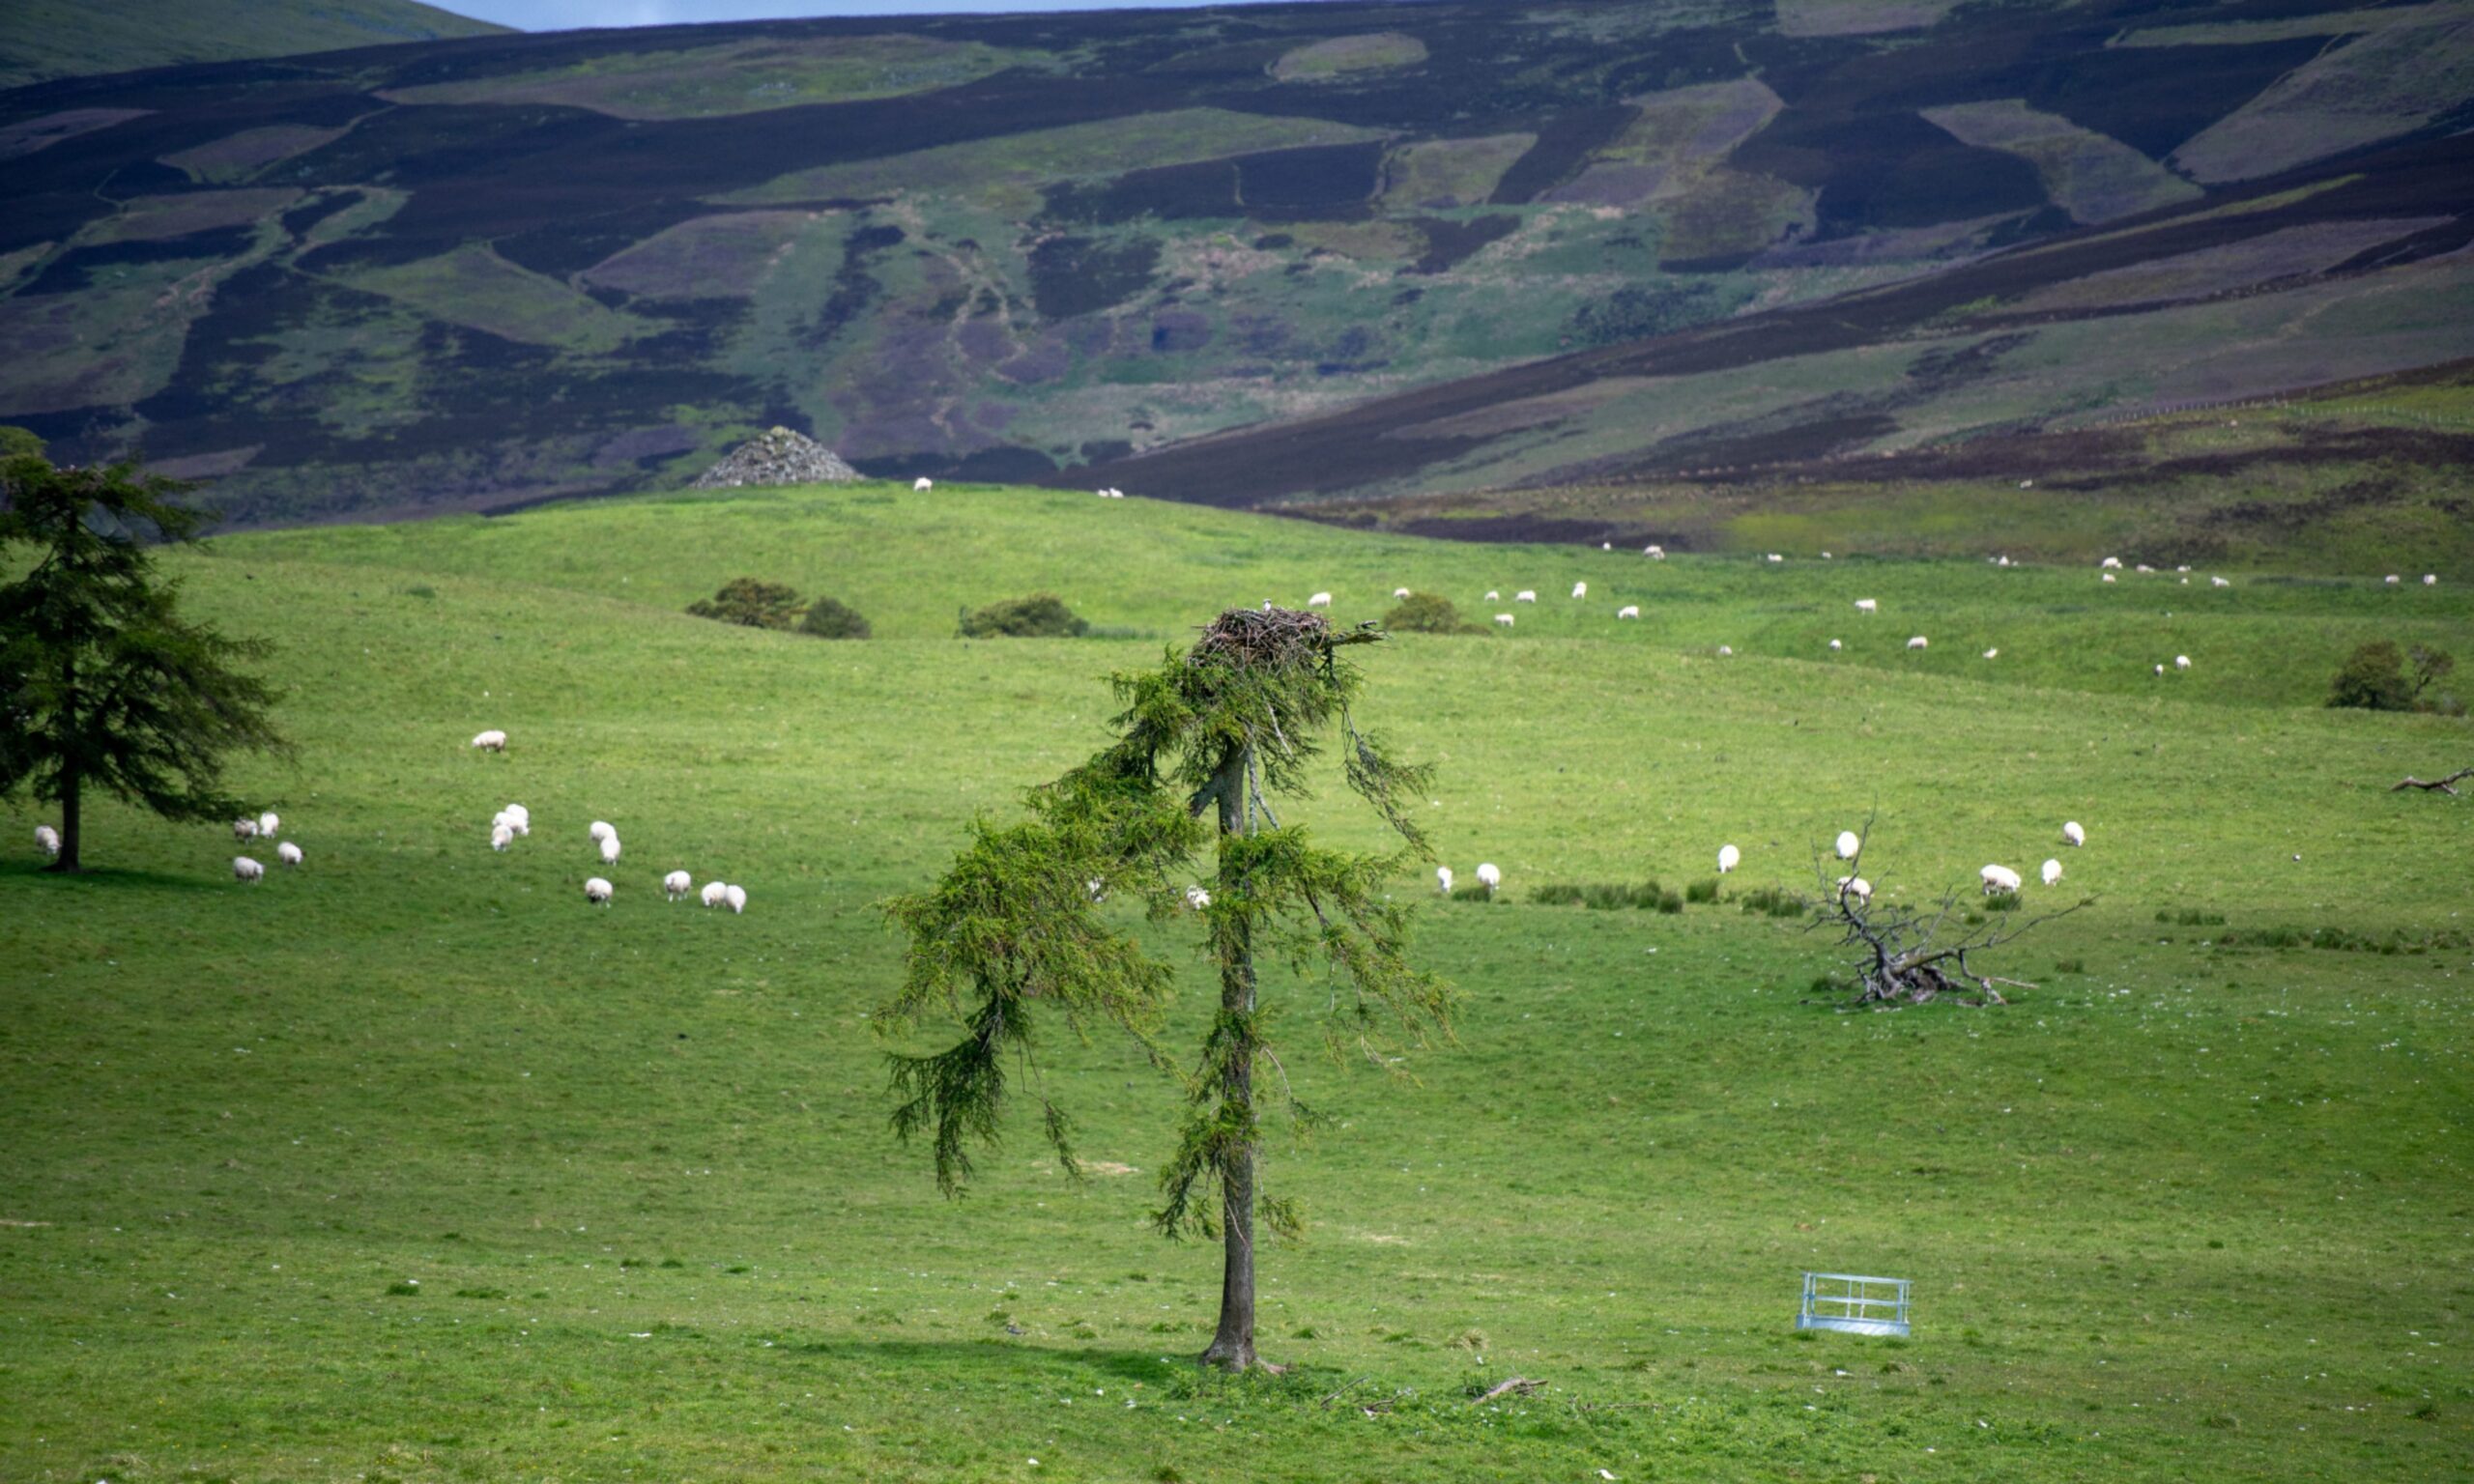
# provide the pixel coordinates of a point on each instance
(780, 456)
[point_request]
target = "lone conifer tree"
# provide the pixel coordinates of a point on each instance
(102, 683)
(1012, 932)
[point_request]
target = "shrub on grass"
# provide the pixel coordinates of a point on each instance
(1770, 901)
(2377, 676)
(1471, 893)
(1040, 615)
(833, 619)
(1426, 613)
(1555, 895)
(1702, 891)
(2001, 901)
(754, 603)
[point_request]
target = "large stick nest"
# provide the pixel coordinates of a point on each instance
(1270, 638)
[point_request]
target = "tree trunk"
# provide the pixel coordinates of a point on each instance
(1233, 1344)
(71, 784)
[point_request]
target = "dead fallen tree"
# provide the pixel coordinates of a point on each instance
(1914, 955)
(2443, 784)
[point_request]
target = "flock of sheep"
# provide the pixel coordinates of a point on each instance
(263, 827)
(515, 822)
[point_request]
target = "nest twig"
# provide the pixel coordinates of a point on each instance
(1264, 639)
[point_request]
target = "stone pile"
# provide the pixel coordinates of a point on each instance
(780, 456)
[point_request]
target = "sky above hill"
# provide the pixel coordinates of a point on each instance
(571, 15)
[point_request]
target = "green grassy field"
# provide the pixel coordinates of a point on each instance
(409, 1165)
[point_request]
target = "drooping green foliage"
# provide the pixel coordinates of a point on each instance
(1042, 616)
(753, 601)
(102, 683)
(1018, 928)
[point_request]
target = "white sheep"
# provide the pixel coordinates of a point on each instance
(2181, 662)
(288, 853)
(715, 894)
(2218, 581)
(1992, 654)
(1773, 556)
(2110, 561)
(2144, 568)
(244, 830)
(2392, 579)
(1503, 619)
(676, 885)
(1399, 593)
(269, 823)
(2026, 484)
(2160, 669)
(515, 823)
(1868, 604)
(1319, 600)
(1856, 887)
(2431, 578)
(1443, 879)
(921, 485)
(1849, 843)
(597, 891)
(1658, 552)
(1494, 595)
(601, 830)
(501, 836)
(491, 741)
(2072, 834)
(1729, 858)
(1726, 651)
(1197, 897)
(1998, 879)
(46, 840)
(1489, 877)
(2052, 873)
(1580, 590)
(2181, 569)
(1628, 610)
(1918, 642)
(2108, 577)
(1825, 556)
(244, 868)
(1525, 595)
(519, 815)
(609, 849)
(1834, 645)
(737, 897)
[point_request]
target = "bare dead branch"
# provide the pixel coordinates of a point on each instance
(2440, 783)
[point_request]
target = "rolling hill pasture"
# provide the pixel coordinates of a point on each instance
(411, 1164)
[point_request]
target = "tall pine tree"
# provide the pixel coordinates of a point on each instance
(1209, 745)
(103, 685)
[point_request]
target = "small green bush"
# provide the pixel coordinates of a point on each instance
(1557, 894)
(833, 619)
(1041, 615)
(1471, 893)
(1770, 901)
(748, 601)
(1426, 613)
(1702, 891)
(2001, 901)
(2379, 677)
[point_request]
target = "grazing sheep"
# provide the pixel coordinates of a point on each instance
(1443, 879)
(2026, 484)
(520, 817)
(1525, 595)
(1505, 619)
(244, 868)
(1998, 879)
(1489, 877)
(2052, 873)
(1834, 645)
(2160, 669)
(491, 741)
(1656, 552)
(1992, 654)
(2072, 832)
(1319, 600)
(2108, 577)
(515, 821)
(1849, 843)
(1868, 604)
(1825, 556)
(288, 853)
(2431, 578)
(2181, 662)
(1773, 556)
(737, 897)
(269, 822)
(1580, 590)
(1494, 595)
(601, 830)
(244, 830)
(1729, 858)
(46, 840)
(1628, 610)
(676, 885)
(1726, 651)
(1197, 897)
(2218, 581)
(2144, 567)
(1918, 642)
(715, 894)
(921, 485)
(1856, 887)
(596, 890)
(501, 836)
(2110, 561)
(1399, 593)
(2392, 579)
(609, 849)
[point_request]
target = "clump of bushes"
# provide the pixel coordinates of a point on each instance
(2347, 940)
(761, 605)
(1426, 613)
(1040, 615)
(833, 619)
(2378, 676)
(1472, 893)
(749, 601)
(1770, 901)
(1608, 896)
(2192, 917)
(1702, 891)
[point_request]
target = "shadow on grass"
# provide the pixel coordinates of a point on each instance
(105, 878)
(1013, 1359)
